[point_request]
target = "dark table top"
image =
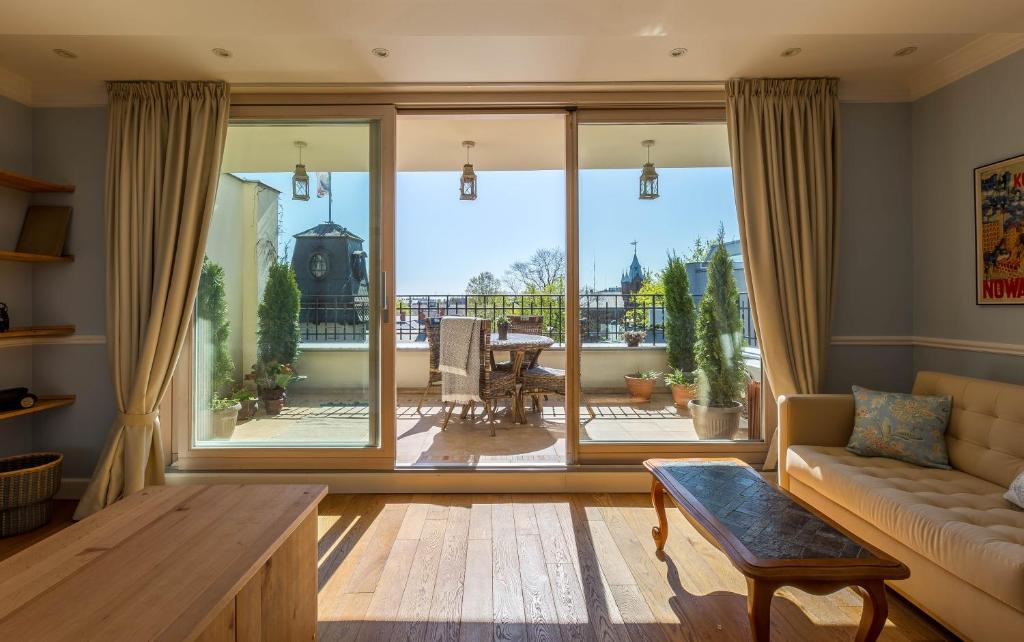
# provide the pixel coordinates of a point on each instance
(754, 520)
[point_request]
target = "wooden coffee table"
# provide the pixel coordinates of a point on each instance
(773, 538)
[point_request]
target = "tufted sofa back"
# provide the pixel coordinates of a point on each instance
(986, 430)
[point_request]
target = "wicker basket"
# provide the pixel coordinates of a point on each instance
(27, 486)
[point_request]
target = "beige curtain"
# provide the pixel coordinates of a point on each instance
(784, 141)
(164, 146)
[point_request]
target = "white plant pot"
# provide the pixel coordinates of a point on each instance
(224, 421)
(711, 422)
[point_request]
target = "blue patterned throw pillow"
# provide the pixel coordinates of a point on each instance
(910, 428)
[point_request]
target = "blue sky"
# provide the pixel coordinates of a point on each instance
(442, 241)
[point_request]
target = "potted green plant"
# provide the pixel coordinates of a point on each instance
(716, 411)
(272, 380)
(634, 337)
(679, 316)
(224, 411)
(247, 401)
(641, 384)
(212, 313)
(502, 323)
(683, 386)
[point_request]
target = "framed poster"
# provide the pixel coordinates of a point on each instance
(999, 229)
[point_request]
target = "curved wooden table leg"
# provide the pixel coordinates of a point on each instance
(659, 532)
(759, 608)
(876, 609)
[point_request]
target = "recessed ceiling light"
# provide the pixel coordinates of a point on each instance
(380, 52)
(65, 53)
(678, 51)
(905, 51)
(789, 53)
(223, 53)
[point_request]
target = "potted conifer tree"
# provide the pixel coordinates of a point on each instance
(278, 337)
(212, 313)
(679, 331)
(716, 412)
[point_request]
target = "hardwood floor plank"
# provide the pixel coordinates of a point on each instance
(507, 593)
(538, 598)
(570, 603)
(640, 622)
(379, 540)
(613, 565)
(343, 626)
(382, 612)
(480, 518)
(419, 590)
(446, 605)
(477, 621)
(602, 613)
(556, 551)
(525, 517)
(415, 515)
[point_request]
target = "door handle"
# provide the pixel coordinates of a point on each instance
(385, 307)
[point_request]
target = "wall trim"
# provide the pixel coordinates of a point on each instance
(975, 55)
(74, 339)
(967, 345)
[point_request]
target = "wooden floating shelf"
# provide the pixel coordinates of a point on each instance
(44, 403)
(37, 331)
(33, 185)
(24, 257)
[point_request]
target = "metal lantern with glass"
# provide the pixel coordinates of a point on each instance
(300, 180)
(467, 182)
(648, 176)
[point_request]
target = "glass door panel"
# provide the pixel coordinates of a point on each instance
(656, 209)
(289, 306)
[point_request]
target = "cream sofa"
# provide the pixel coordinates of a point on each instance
(963, 542)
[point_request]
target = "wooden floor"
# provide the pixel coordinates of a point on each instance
(540, 567)
(536, 567)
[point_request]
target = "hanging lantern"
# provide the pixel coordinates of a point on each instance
(467, 182)
(300, 180)
(648, 176)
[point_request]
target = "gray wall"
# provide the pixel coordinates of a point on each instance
(972, 122)
(69, 145)
(15, 278)
(874, 281)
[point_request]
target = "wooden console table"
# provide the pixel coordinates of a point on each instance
(210, 563)
(771, 537)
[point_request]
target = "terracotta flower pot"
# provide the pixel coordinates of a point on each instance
(683, 393)
(273, 400)
(711, 422)
(639, 389)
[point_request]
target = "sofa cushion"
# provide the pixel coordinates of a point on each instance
(986, 427)
(901, 426)
(959, 522)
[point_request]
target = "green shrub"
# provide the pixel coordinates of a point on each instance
(212, 307)
(278, 316)
(719, 332)
(679, 316)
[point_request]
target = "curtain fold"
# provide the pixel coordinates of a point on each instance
(164, 147)
(784, 143)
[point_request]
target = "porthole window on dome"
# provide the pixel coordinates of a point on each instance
(318, 265)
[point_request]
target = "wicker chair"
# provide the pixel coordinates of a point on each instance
(433, 327)
(494, 384)
(543, 380)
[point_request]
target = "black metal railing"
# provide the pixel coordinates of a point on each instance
(604, 317)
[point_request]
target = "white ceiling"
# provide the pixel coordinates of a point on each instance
(489, 41)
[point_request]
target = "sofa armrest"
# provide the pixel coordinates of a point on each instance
(812, 420)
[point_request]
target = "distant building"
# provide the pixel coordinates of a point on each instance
(330, 269)
(632, 279)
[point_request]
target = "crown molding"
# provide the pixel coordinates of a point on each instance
(975, 55)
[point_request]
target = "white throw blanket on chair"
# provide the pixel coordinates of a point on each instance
(460, 359)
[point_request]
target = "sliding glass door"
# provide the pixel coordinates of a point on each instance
(293, 335)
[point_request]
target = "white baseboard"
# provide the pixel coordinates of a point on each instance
(627, 480)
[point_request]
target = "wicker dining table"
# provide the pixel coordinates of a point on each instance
(517, 345)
